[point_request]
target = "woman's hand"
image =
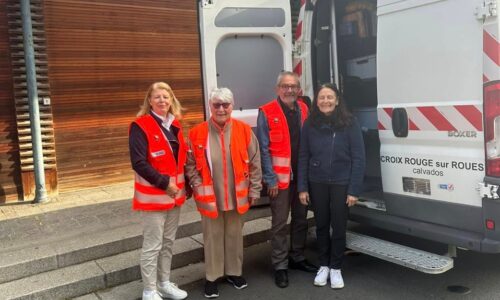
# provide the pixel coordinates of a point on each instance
(172, 188)
(304, 198)
(351, 200)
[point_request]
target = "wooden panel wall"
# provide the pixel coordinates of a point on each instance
(102, 56)
(10, 172)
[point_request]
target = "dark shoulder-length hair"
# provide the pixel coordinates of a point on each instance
(340, 118)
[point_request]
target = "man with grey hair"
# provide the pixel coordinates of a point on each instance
(224, 170)
(279, 123)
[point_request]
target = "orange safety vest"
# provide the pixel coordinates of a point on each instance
(204, 193)
(279, 139)
(161, 158)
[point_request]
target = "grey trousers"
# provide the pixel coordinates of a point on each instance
(223, 244)
(287, 200)
(159, 229)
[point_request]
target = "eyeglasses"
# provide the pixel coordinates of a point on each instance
(218, 105)
(288, 86)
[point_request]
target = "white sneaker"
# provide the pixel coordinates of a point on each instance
(150, 295)
(170, 290)
(336, 281)
(322, 276)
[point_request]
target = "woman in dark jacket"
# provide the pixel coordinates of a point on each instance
(330, 176)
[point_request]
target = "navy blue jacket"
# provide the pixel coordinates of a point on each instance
(331, 156)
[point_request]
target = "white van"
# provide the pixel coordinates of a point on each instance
(423, 79)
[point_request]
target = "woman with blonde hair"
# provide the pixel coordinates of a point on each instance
(158, 154)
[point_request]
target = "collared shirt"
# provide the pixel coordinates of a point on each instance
(293, 121)
(138, 147)
(165, 122)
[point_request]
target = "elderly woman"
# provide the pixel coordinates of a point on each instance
(330, 175)
(158, 155)
(224, 169)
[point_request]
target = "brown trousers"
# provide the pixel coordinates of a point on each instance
(287, 201)
(223, 244)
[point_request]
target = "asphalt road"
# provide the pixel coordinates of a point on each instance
(367, 277)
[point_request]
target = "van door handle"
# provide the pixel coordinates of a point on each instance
(400, 122)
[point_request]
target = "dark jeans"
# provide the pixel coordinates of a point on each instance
(330, 210)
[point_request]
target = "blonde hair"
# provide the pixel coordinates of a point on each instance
(175, 107)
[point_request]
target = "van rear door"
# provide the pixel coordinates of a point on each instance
(430, 112)
(245, 44)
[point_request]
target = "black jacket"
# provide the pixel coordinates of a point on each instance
(332, 156)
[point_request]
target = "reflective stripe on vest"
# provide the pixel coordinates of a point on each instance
(242, 195)
(145, 193)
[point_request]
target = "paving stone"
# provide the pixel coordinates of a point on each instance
(57, 284)
(133, 290)
(88, 297)
(120, 268)
(94, 194)
(97, 245)
(25, 262)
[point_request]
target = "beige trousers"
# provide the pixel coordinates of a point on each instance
(159, 229)
(223, 245)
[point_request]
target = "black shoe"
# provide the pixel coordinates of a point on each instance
(237, 281)
(211, 290)
(303, 265)
(281, 278)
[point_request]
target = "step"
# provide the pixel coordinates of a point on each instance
(133, 290)
(419, 260)
(33, 259)
(102, 273)
(110, 271)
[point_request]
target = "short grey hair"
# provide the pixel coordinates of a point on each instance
(222, 94)
(287, 73)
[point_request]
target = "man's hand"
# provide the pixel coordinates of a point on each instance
(252, 200)
(172, 188)
(304, 198)
(272, 191)
(351, 200)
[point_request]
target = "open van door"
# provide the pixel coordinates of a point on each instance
(245, 44)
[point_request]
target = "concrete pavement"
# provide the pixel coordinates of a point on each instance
(86, 241)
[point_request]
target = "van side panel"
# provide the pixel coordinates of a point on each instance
(435, 90)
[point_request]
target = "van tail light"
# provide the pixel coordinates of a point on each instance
(492, 128)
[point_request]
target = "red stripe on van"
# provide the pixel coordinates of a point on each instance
(298, 69)
(491, 47)
(298, 30)
(472, 114)
(485, 79)
(436, 118)
(380, 126)
(413, 126)
(388, 110)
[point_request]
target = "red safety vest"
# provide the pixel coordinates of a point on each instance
(279, 139)
(161, 158)
(204, 193)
